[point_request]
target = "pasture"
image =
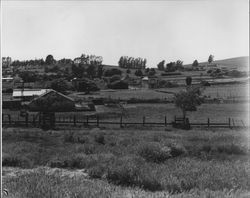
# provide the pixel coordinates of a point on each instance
(124, 163)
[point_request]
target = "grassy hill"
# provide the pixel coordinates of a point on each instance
(242, 63)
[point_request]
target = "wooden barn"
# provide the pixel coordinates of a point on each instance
(52, 101)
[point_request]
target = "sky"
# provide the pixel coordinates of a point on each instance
(155, 30)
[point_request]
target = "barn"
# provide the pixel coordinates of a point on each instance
(52, 101)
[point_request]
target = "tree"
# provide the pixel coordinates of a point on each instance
(138, 72)
(151, 72)
(49, 60)
(188, 81)
(195, 63)
(86, 86)
(91, 71)
(161, 65)
(171, 67)
(210, 58)
(179, 64)
(187, 100)
(59, 85)
(100, 71)
(28, 76)
(111, 72)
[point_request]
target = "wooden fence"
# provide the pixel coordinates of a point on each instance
(31, 121)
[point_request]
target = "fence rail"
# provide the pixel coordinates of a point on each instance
(27, 121)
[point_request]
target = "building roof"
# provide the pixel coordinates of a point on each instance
(52, 90)
(145, 78)
(29, 92)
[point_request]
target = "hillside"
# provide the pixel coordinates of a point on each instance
(242, 63)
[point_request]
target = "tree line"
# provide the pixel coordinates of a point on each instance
(132, 63)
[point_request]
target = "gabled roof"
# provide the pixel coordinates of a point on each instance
(52, 90)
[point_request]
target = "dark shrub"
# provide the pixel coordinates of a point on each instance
(177, 150)
(206, 148)
(118, 85)
(154, 152)
(231, 149)
(115, 78)
(69, 137)
(86, 148)
(16, 161)
(125, 171)
(57, 164)
(97, 171)
(132, 171)
(111, 72)
(99, 138)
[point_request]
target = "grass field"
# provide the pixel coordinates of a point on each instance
(125, 163)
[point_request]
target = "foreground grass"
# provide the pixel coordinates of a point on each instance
(45, 182)
(121, 163)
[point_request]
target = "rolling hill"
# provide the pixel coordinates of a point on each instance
(242, 63)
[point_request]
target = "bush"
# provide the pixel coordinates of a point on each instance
(132, 171)
(231, 149)
(16, 161)
(111, 72)
(154, 152)
(99, 138)
(97, 171)
(86, 148)
(118, 85)
(115, 78)
(177, 150)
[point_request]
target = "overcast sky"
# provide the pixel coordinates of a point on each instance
(155, 30)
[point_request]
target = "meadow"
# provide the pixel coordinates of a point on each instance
(134, 162)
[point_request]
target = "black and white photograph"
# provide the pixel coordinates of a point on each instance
(125, 99)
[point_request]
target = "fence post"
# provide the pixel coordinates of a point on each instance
(74, 120)
(165, 120)
(208, 122)
(34, 120)
(9, 119)
(87, 120)
(97, 120)
(26, 119)
(229, 122)
(175, 119)
(121, 122)
(143, 120)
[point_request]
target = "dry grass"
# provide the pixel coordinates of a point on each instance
(188, 163)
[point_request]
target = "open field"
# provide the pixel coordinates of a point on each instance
(214, 91)
(121, 163)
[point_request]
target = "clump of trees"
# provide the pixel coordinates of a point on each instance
(28, 76)
(132, 63)
(89, 60)
(171, 66)
(28, 62)
(138, 72)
